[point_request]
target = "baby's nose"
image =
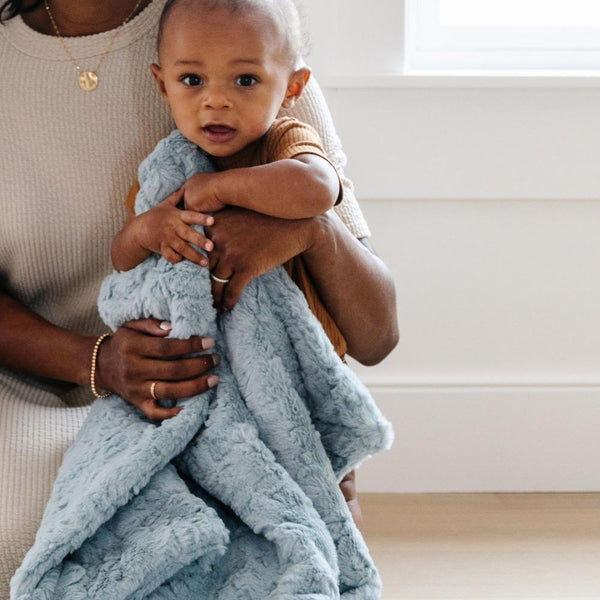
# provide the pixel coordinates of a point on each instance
(216, 99)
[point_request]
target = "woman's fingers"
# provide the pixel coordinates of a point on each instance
(170, 348)
(174, 390)
(220, 280)
(129, 364)
(184, 368)
(248, 244)
(231, 292)
(155, 412)
(164, 390)
(217, 293)
(169, 390)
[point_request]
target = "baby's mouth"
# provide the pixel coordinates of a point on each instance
(219, 133)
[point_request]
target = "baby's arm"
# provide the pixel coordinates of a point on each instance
(304, 186)
(164, 229)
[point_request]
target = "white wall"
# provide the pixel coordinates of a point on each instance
(484, 202)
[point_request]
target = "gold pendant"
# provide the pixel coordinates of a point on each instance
(88, 81)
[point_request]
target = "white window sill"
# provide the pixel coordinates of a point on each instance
(464, 79)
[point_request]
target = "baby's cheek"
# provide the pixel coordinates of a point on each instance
(190, 129)
(259, 127)
(184, 117)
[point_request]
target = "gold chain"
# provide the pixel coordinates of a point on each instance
(88, 80)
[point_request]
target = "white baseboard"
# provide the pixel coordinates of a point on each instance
(487, 437)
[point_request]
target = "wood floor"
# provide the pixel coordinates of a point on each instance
(466, 546)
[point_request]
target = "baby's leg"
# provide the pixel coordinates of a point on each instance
(348, 488)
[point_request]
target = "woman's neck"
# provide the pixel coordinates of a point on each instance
(82, 17)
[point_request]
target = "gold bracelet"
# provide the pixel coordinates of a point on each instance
(94, 365)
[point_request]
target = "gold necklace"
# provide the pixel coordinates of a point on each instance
(88, 80)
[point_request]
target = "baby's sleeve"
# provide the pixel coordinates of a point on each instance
(131, 194)
(289, 137)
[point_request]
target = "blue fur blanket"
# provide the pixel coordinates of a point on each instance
(237, 496)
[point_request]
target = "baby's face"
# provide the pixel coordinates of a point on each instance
(225, 75)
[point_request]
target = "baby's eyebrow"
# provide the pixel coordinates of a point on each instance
(198, 63)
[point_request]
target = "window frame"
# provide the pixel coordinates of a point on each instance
(431, 46)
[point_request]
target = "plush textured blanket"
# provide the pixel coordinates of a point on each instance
(236, 497)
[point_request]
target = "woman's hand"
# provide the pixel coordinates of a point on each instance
(137, 355)
(248, 244)
(353, 283)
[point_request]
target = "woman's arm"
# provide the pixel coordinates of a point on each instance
(355, 285)
(128, 362)
(31, 344)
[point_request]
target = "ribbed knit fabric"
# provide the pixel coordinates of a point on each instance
(68, 159)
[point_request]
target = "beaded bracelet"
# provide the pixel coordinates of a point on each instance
(94, 365)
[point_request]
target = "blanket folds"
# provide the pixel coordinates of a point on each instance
(236, 497)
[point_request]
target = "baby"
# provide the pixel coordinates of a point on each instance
(226, 69)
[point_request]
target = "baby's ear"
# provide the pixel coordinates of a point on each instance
(296, 85)
(160, 82)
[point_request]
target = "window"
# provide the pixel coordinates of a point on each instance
(502, 35)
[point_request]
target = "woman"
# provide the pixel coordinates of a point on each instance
(79, 113)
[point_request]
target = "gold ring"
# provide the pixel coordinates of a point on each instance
(152, 390)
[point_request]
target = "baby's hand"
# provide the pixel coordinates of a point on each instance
(167, 230)
(200, 193)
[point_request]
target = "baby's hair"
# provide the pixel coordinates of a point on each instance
(285, 11)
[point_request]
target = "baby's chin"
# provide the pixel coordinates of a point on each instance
(216, 150)
(223, 150)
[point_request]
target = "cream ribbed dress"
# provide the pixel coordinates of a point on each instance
(68, 159)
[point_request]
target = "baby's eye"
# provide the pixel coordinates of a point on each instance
(191, 80)
(246, 80)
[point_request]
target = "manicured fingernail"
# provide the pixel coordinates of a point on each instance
(208, 246)
(210, 220)
(208, 343)
(212, 380)
(165, 326)
(216, 360)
